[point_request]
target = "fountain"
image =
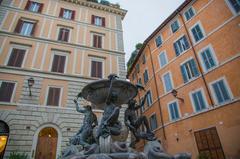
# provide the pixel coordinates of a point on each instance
(108, 139)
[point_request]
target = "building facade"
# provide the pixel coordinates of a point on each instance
(189, 68)
(49, 50)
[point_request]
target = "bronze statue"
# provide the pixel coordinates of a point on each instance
(85, 136)
(133, 122)
(110, 125)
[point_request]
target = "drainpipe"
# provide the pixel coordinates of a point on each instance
(198, 63)
(159, 104)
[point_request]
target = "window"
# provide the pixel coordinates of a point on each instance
(197, 33)
(173, 111)
(153, 122)
(25, 27)
(99, 21)
(221, 91)
(144, 59)
(67, 14)
(149, 98)
(16, 58)
(142, 108)
(181, 45)
(208, 59)
(235, 4)
(137, 68)
(6, 91)
(168, 86)
(53, 96)
(189, 13)
(140, 81)
(158, 41)
(163, 59)
(34, 6)
(97, 41)
(63, 34)
(175, 26)
(145, 76)
(96, 69)
(198, 100)
(189, 70)
(58, 64)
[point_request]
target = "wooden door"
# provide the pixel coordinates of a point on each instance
(47, 144)
(208, 142)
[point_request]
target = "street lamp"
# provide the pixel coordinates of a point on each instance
(30, 84)
(175, 93)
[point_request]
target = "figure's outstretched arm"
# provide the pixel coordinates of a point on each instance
(78, 108)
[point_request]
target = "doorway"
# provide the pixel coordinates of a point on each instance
(47, 144)
(4, 133)
(209, 144)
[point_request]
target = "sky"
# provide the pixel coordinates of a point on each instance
(142, 18)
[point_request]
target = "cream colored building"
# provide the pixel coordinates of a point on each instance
(62, 45)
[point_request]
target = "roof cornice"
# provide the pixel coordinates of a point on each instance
(100, 6)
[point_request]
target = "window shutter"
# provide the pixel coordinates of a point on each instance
(27, 5)
(40, 8)
(33, 29)
(19, 26)
(56, 96)
(103, 22)
(99, 69)
(61, 12)
(55, 63)
(50, 96)
(66, 35)
(13, 56)
(61, 65)
(73, 15)
(185, 79)
(224, 91)
(93, 69)
(19, 59)
(176, 49)
(6, 90)
(93, 19)
(194, 67)
(186, 42)
(60, 35)
(99, 42)
(95, 38)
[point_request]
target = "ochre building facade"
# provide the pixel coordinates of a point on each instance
(189, 67)
(49, 50)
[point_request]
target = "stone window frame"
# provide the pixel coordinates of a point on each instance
(13, 95)
(202, 30)
(60, 97)
(60, 53)
(178, 108)
(171, 80)
(204, 99)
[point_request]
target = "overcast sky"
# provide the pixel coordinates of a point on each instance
(143, 17)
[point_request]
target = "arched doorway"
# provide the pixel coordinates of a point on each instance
(4, 133)
(47, 144)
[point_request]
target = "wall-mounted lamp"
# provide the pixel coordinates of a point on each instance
(175, 94)
(30, 84)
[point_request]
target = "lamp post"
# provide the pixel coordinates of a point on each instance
(175, 93)
(30, 84)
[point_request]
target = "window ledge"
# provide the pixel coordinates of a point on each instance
(8, 103)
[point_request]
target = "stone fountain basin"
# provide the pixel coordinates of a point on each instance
(97, 92)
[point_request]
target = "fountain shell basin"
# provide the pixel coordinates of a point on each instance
(98, 91)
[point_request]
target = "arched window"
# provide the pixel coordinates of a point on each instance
(4, 133)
